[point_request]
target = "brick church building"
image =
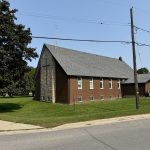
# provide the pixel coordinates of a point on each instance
(69, 76)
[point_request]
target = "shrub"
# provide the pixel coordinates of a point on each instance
(147, 94)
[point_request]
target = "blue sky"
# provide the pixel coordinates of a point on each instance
(82, 19)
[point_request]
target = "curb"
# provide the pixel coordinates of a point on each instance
(79, 124)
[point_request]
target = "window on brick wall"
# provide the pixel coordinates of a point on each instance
(101, 83)
(118, 84)
(42, 98)
(79, 82)
(119, 96)
(91, 98)
(101, 97)
(80, 99)
(110, 83)
(91, 83)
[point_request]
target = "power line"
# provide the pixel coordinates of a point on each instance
(112, 3)
(141, 44)
(78, 20)
(143, 11)
(88, 40)
(139, 28)
(81, 40)
(140, 58)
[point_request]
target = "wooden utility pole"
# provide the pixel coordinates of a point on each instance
(134, 60)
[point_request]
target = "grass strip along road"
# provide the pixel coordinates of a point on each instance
(25, 110)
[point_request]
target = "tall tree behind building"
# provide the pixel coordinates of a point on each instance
(143, 71)
(14, 50)
(29, 81)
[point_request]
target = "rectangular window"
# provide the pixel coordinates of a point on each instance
(80, 99)
(101, 83)
(118, 84)
(49, 99)
(91, 83)
(101, 97)
(79, 83)
(91, 98)
(110, 83)
(42, 98)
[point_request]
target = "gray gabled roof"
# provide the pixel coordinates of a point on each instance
(78, 63)
(142, 78)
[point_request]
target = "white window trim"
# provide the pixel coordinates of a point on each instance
(91, 81)
(91, 99)
(102, 96)
(81, 99)
(102, 81)
(79, 88)
(110, 82)
(119, 83)
(119, 96)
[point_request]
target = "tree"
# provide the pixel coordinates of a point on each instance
(14, 50)
(29, 81)
(143, 71)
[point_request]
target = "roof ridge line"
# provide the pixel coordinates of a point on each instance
(83, 52)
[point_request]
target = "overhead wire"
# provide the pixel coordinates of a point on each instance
(72, 19)
(139, 54)
(83, 20)
(140, 58)
(112, 3)
(88, 40)
(143, 11)
(81, 40)
(139, 28)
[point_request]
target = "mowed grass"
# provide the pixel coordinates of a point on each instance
(25, 110)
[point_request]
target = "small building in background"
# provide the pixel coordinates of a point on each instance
(128, 86)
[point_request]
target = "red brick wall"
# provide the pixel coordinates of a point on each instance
(147, 86)
(129, 89)
(86, 92)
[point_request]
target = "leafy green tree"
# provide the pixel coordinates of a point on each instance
(29, 81)
(14, 50)
(143, 71)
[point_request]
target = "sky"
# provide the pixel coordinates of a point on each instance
(88, 19)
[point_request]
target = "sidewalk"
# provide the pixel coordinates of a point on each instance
(102, 121)
(12, 126)
(8, 128)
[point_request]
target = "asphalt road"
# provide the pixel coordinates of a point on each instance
(133, 135)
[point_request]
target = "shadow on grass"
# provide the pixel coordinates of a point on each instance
(107, 109)
(8, 97)
(9, 107)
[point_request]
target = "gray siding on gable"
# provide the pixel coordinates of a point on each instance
(48, 84)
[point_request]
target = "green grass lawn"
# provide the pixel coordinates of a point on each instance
(25, 110)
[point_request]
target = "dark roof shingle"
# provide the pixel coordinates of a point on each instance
(142, 78)
(78, 63)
